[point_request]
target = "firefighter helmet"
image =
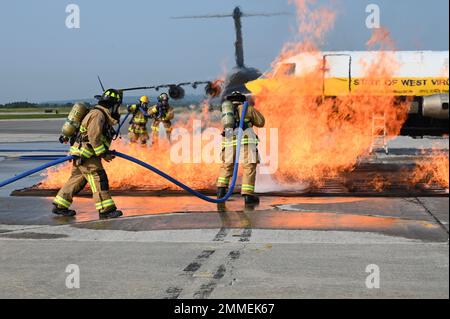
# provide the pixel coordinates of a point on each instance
(236, 96)
(111, 96)
(163, 97)
(144, 99)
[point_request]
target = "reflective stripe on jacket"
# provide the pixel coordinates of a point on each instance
(139, 117)
(92, 141)
(246, 140)
(169, 115)
(252, 118)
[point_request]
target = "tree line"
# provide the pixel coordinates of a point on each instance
(25, 105)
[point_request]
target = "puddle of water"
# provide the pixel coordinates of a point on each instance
(321, 200)
(138, 206)
(187, 212)
(237, 215)
(276, 220)
(324, 220)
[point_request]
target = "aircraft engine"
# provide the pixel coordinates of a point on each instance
(435, 106)
(176, 92)
(213, 89)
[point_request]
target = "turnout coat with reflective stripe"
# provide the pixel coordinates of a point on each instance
(139, 117)
(169, 115)
(249, 157)
(253, 117)
(92, 141)
(249, 140)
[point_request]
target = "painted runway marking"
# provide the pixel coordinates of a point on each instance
(206, 289)
(223, 232)
(197, 263)
(189, 270)
(173, 293)
(225, 229)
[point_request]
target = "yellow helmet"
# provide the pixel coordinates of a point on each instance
(144, 99)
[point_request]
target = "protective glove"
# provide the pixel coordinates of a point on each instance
(63, 139)
(150, 113)
(78, 160)
(116, 116)
(108, 156)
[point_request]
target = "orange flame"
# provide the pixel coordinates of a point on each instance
(433, 170)
(318, 137)
(321, 137)
(125, 175)
(215, 88)
(379, 183)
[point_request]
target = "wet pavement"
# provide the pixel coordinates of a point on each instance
(408, 218)
(182, 247)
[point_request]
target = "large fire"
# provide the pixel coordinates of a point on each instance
(321, 137)
(318, 137)
(433, 170)
(125, 175)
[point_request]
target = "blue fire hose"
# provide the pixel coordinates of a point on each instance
(40, 157)
(123, 121)
(37, 169)
(121, 124)
(31, 151)
(155, 170)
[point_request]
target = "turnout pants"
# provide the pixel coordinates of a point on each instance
(155, 128)
(249, 160)
(90, 171)
(138, 137)
(138, 133)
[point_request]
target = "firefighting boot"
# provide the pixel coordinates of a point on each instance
(111, 213)
(62, 211)
(221, 192)
(251, 200)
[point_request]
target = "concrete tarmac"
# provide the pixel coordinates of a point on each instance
(181, 247)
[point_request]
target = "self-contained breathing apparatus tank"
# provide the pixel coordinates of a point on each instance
(228, 115)
(230, 112)
(73, 122)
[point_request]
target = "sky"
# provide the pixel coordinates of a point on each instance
(135, 42)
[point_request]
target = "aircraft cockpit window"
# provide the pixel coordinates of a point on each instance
(285, 69)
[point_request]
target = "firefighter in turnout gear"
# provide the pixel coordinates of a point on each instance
(249, 157)
(91, 145)
(137, 132)
(163, 113)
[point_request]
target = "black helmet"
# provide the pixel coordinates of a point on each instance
(163, 97)
(111, 97)
(236, 96)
